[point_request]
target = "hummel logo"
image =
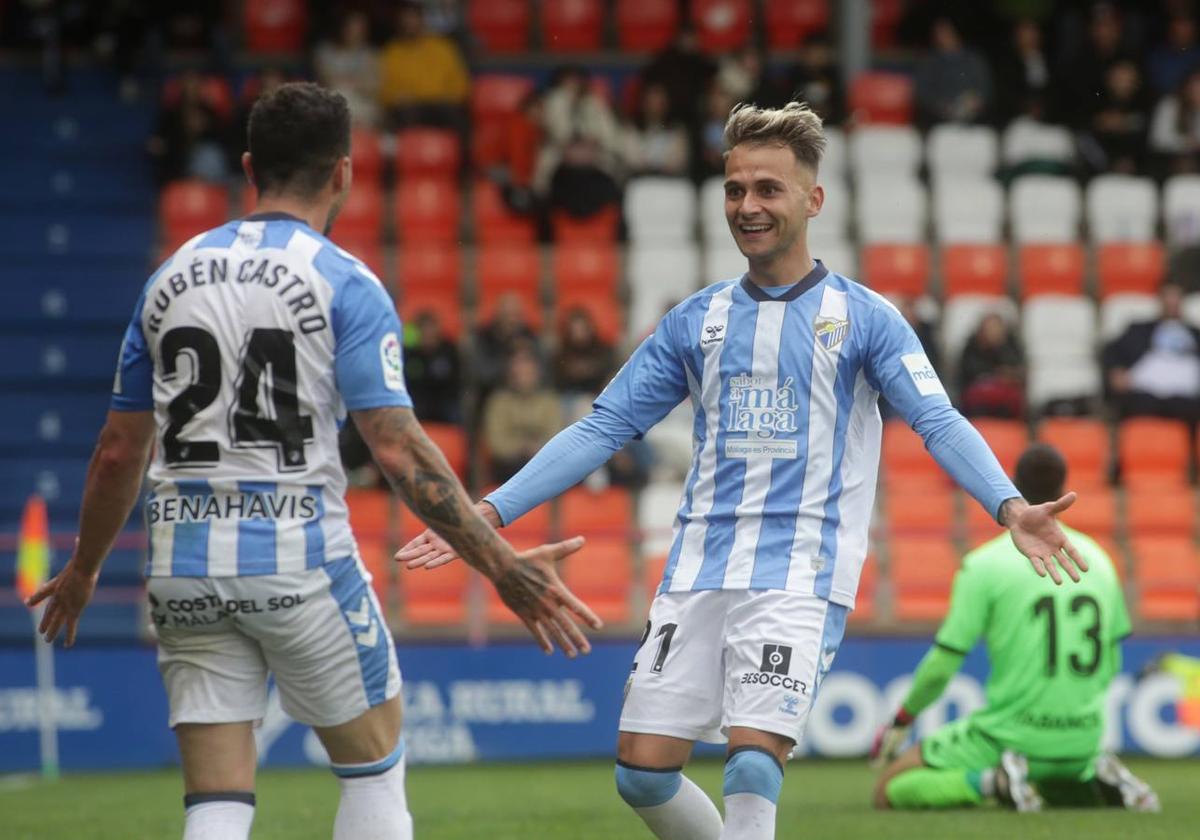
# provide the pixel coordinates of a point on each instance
(713, 332)
(362, 618)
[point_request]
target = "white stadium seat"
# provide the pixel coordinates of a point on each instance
(658, 502)
(885, 150)
(722, 261)
(1044, 208)
(1181, 210)
(953, 150)
(1066, 380)
(1059, 327)
(713, 227)
(833, 160)
(831, 223)
(1026, 140)
(1191, 309)
(660, 209)
(1120, 310)
(968, 210)
(891, 208)
(838, 257)
(1121, 208)
(659, 277)
(961, 315)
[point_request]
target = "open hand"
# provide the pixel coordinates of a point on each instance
(67, 595)
(1036, 534)
(426, 551)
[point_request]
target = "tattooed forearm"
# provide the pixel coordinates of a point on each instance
(522, 587)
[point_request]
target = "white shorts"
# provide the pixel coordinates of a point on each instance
(714, 659)
(320, 632)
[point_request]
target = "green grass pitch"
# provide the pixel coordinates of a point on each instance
(574, 801)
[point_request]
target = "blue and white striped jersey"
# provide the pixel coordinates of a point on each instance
(250, 344)
(787, 428)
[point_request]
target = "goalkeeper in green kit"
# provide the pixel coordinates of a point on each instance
(1053, 651)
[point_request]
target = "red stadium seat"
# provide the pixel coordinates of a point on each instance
(452, 440)
(652, 574)
(427, 151)
(276, 26)
(431, 270)
(646, 25)
(495, 221)
(885, 20)
(370, 513)
(922, 570)
(882, 98)
(1085, 444)
(897, 269)
(501, 26)
(865, 608)
(506, 269)
(595, 269)
(906, 462)
(1094, 512)
(927, 511)
(365, 156)
(1155, 511)
(189, 207)
(536, 525)
(214, 90)
(494, 98)
(1153, 451)
(572, 25)
(1007, 438)
(1050, 269)
(368, 250)
(790, 22)
(436, 597)
(722, 25)
(605, 311)
(1167, 576)
(601, 574)
(981, 525)
(599, 227)
(447, 309)
(1116, 554)
(428, 210)
(974, 270)
(361, 216)
(1130, 267)
(607, 513)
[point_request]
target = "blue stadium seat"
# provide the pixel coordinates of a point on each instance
(60, 421)
(76, 235)
(59, 480)
(52, 358)
(86, 296)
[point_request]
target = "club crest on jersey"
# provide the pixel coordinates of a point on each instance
(831, 331)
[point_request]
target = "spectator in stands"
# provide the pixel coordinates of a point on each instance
(190, 139)
(423, 78)
(1153, 368)
(682, 69)
(1115, 137)
(953, 82)
(1170, 62)
(505, 334)
(515, 170)
(1023, 79)
(1175, 128)
(654, 142)
(584, 361)
(910, 308)
(991, 373)
(350, 65)
(433, 370)
(816, 80)
(1083, 71)
(710, 137)
(519, 417)
(266, 80)
(579, 166)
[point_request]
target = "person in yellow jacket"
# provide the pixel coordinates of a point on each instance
(423, 78)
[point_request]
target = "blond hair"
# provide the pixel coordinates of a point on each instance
(795, 126)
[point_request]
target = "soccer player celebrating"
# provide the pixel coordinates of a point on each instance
(784, 366)
(1053, 653)
(245, 351)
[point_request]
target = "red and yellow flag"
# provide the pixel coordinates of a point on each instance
(33, 548)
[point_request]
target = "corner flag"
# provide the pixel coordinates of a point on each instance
(33, 548)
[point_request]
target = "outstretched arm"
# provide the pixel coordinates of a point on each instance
(930, 679)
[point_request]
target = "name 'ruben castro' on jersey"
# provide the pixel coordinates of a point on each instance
(250, 344)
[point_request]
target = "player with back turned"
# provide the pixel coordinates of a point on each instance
(784, 366)
(246, 351)
(1053, 653)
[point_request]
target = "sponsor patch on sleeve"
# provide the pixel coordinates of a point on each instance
(923, 375)
(393, 367)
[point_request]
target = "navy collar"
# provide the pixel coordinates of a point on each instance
(274, 216)
(819, 272)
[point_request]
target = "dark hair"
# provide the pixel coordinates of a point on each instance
(1041, 474)
(297, 133)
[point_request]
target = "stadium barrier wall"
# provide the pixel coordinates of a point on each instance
(511, 702)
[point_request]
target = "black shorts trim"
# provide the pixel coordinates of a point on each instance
(641, 769)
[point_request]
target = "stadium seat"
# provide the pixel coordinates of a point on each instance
(968, 210)
(839, 257)
(646, 25)
(865, 607)
(1153, 451)
(448, 309)
(53, 360)
(888, 150)
(789, 23)
(495, 221)
(510, 268)
(896, 269)
(961, 316)
(974, 270)
(57, 421)
(1118, 311)
(1050, 269)
(586, 267)
(604, 310)
(906, 462)
(660, 276)
(980, 524)
(428, 210)
(1044, 208)
(1121, 208)
(1116, 554)
(432, 268)
(606, 513)
(494, 99)
(189, 207)
(722, 25)
(1028, 142)
(1059, 327)
(829, 226)
(1094, 511)
(881, 98)
(1181, 210)
(1191, 308)
(885, 20)
(1086, 444)
(723, 261)
(214, 90)
(922, 571)
(891, 209)
(659, 209)
(961, 152)
(599, 227)
(275, 26)
(452, 441)
(427, 151)
(929, 510)
(1152, 511)
(601, 575)
(1006, 438)
(714, 228)
(368, 251)
(657, 505)
(1130, 267)
(572, 26)
(365, 154)
(652, 574)
(1062, 384)
(1167, 578)
(362, 214)
(834, 158)
(435, 597)
(500, 26)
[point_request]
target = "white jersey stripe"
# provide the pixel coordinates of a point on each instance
(223, 548)
(859, 472)
(162, 539)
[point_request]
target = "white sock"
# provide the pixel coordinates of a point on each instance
(987, 783)
(688, 815)
(218, 816)
(373, 807)
(748, 816)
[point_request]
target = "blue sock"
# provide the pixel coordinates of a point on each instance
(753, 770)
(643, 787)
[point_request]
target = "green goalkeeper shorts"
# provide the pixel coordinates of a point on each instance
(960, 744)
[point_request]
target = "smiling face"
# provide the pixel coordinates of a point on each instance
(769, 198)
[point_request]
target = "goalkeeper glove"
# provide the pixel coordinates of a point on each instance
(890, 739)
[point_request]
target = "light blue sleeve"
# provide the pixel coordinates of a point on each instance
(567, 459)
(897, 367)
(133, 385)
(368, 358)
(653, 381)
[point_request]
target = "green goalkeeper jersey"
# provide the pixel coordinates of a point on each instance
(1053, 649)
